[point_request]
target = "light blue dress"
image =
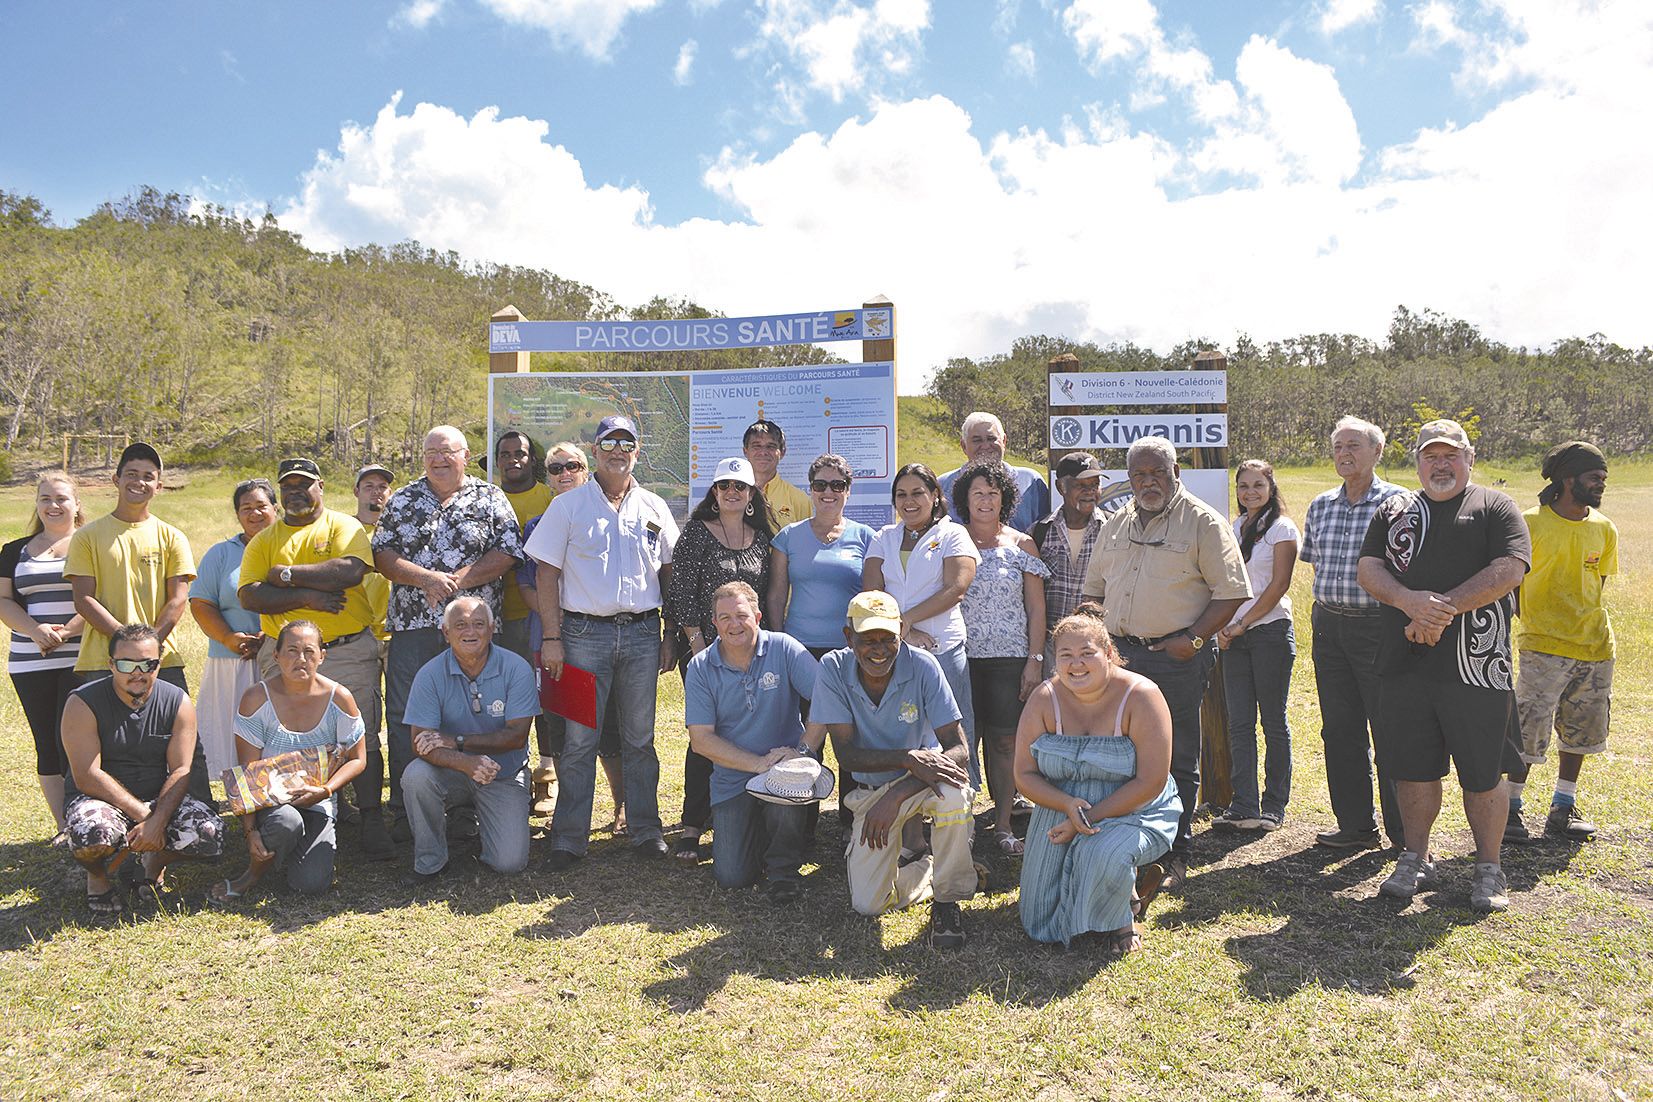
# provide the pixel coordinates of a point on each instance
(1085, 885)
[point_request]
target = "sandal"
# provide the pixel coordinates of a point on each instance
(687, 851)
(225, 897)
(1121, 944)
(104, 903)
(1149, 879)
(1009, 844)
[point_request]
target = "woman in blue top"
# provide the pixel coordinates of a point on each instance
(1093, 751)
(300, 709)
(815, 564)
(37, 604)
(232, 632)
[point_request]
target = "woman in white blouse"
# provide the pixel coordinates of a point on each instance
(927, 562)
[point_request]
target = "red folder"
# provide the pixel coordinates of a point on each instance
(574, 697)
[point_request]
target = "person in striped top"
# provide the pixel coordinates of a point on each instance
(37, 603)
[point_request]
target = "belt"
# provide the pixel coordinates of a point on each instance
(343, 639)
(1137, 641)
(1347, 610)
(617, 618)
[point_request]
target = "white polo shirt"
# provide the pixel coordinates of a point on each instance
(610, 560)
(917, 580)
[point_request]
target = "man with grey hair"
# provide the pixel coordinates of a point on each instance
(470, 708)
(1345, 641)
(982, 437)
(440, 535)
(1168, 572)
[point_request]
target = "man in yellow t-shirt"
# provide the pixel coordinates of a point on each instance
(309, 565)
(520, 468)
(130, 568)
(765, 446)
(1566, 639)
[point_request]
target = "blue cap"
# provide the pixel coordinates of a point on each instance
(614, 423)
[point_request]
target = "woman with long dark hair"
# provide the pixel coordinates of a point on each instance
(1259, 649)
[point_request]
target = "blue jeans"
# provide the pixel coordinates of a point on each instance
(955, 667)
(1183, 685)
(301, 838)
(1346, 679)
(625, 658)
(753, 837)
(409, 651)
(1257, 674)
(501, 815)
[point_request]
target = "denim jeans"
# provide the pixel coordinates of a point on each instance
(625, 658)
(1257, 675)
(301, 838)
(753, 837)
(501, 815)
(409, 651)
(955, 667)
(1345, 676)
(1183, 685)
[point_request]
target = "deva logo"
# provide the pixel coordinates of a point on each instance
(506, 335)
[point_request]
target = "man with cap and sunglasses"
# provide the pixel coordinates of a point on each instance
(310, 565)
(1565, 684)
(130, 567)
(1444, 560)
(604, 551)
(765, 446)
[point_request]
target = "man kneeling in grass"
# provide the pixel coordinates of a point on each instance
(130, 740)
(895, 724)
(741, 700)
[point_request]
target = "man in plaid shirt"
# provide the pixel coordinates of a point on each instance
(1345, 647)
(1066, 537)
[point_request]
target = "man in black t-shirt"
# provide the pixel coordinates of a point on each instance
(1445, 561)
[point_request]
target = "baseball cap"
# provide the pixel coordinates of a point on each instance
(1443, 431)
(614, 423)
(299, 466)
(374, 468)
(138, 450)
(736, 468)
(874, 610)
(1078, 465)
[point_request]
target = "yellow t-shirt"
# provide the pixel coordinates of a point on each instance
(1561, 607)
(130, 563)
(787, 503)
(526, 505)
(332, 535)
(378, 599)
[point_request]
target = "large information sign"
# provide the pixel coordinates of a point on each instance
(690, 420)
(692, 334)
(1105, 411)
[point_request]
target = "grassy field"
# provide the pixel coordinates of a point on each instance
(1277, 974)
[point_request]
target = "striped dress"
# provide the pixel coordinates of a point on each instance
(40, 587)
(1084, 886)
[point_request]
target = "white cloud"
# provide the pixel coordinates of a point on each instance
(844, 48)
(683, 71)
(590, 25)
(1524, 221)
(418, 13)
(1020, 59)
(1339, 15)
(1109, 31)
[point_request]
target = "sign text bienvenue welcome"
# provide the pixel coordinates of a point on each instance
(691, 334)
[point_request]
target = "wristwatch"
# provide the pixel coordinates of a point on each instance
(459, 743)
(286, 575)
(1197, 640)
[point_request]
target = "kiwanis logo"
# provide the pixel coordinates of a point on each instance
(496, 708)
(1066, 432)
(909, 712)
(769, 681)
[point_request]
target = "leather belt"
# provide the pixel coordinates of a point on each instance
(618, 618)
(1345, 610)
(1137, 641)
(343, 639)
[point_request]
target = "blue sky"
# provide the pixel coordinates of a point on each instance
(996, 168)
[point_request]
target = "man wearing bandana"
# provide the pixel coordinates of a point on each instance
(1566, 640)
(1444, 561)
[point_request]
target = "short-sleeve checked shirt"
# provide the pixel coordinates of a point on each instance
(1332, 533)
(445, 536)
(1067, 573)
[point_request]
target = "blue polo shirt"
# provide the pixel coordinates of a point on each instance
(755, 708)
(441, 696)
(916, 702)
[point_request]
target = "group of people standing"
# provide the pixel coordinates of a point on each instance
(1060, 655)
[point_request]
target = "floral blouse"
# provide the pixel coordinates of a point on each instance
(995, 618)
(445, 536)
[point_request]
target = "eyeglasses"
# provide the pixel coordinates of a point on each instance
(137, 665)
(613, 444)
(445, 453)
(729, 484)
(1145, 542)
(559, 468)
(476, 700)
(836, 485)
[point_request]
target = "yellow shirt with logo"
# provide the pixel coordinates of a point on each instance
(130, 563)
(787, 503)
(1561, 607)
(332, 535)
(527, 505)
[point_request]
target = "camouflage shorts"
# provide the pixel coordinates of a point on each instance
(97, 829)
(1568, 696)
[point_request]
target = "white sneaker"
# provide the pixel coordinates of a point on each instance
(1489, 891)
(1411, 873)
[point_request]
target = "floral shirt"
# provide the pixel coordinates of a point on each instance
(700, 564)
(995, 617)
(447, 537)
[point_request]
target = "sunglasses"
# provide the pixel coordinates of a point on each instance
(137, 665)
(476, 699)
(836, 485)
(730, 484)
(611, 444)
(559, 468)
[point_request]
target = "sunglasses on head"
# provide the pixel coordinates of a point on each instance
(611, 444)
(559, 468)
(730, 484)
(836, 485)
(137, 665)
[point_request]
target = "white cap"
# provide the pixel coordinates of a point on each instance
(736, 468)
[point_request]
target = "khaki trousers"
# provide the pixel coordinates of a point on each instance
(877, 880)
